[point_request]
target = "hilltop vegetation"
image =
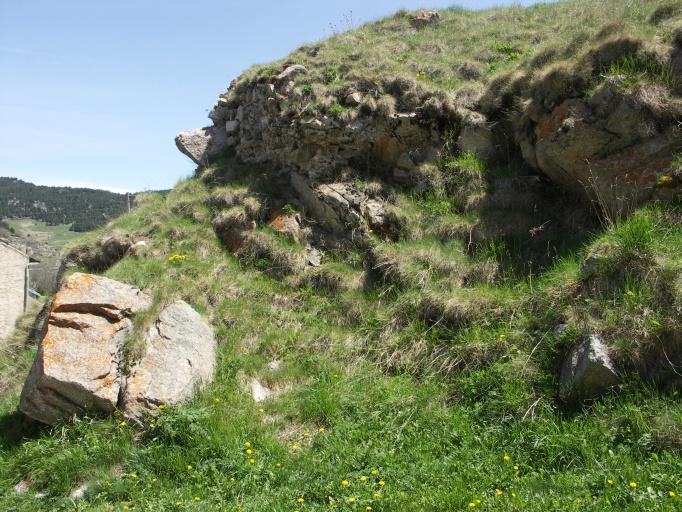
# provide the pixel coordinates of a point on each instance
(84, 209)
(410, 325)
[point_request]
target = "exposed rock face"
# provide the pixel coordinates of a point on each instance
(180, 358)
(587, 370)
(76, 368)
(202, 143)
(615, 146)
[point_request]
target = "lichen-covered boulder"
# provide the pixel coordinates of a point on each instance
(76, 368)
(179, 359)
(588, 370)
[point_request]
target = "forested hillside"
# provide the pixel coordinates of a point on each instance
(85, 209)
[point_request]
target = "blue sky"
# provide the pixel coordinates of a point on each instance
(92, 92)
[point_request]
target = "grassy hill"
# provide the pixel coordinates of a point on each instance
(411, 371)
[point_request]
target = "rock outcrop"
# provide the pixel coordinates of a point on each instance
(588, 370)
(614, 146)
(78, 366)
(180, 357)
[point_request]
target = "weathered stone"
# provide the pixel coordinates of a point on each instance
(291, 72)
(259, 392)
(231, 126)
(353, 99)
(423, 18)
(314, 257)
(179, 358)
(612, 147)
(202, 143)
(76, 368)
(477, 137)
(287, 224)
(587, 370)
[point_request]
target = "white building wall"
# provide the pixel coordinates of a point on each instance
(13, 266)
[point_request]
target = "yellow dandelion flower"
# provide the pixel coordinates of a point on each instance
(133, 475)
(513, 495)
(197, 498)
(472, 504)
(672, 494)
(189, 467)
(300, 500)
(247, 444)
(478, 502)
(249, 451)
(252, 461)
(376, 495)
(154, 480)
(321, 430)
(216, 400)
(122, 424)
(351, 499)
(278, 465)
(516, 468)
(261, 410)
(633, 485)
(609, 481)
(363, 478)
(499, 492)
(374, 472)
(368, 508)
(178, 503)
(161, 407)
(382, 483)
(232, 479)
(295, 447)
(506, 458)
(345, 483)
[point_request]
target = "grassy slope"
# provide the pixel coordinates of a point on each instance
(495, 41)
(442, 364)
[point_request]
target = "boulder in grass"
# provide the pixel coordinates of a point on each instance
(76, 368)
(179, 359)
(588, 370)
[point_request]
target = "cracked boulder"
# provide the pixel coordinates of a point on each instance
(76, 368)
(179, 359)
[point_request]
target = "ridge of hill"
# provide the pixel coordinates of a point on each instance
(83, 209)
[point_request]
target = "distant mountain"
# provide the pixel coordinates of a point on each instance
(83, 208)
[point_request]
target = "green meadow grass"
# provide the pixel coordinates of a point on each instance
(376, 406)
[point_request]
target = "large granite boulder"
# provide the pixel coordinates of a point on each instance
(588, 370)
(179, 359)
(76, 368)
